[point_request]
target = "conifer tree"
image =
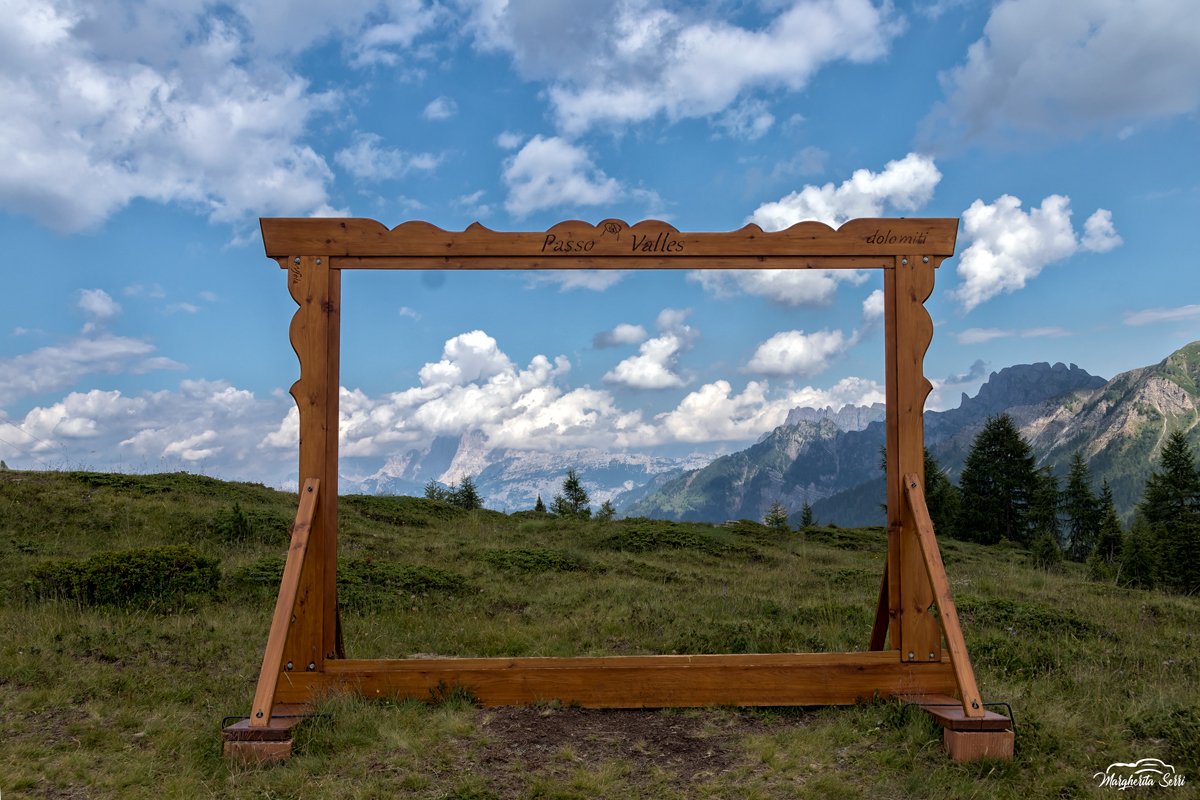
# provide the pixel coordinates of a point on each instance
(1171, 507)
(1046, 552)
(435, 491)
(941, 496)
(806, 515)
(776, 516)
(465, 495)
(607, 511)
(1081, 509)
(1043, 509)
(997, 485)
(573, 502)
(1139, 562)
(1105, 558)
(539, 506)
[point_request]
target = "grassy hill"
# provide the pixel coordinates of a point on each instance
(122, 701)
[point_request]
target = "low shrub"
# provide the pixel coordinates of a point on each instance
(146, 576)
(533, 560)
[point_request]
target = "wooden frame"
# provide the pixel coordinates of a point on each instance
(304, 655)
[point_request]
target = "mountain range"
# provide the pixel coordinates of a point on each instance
(832, 460)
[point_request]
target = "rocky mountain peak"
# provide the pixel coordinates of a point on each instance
(847, 418)
(1028, 384)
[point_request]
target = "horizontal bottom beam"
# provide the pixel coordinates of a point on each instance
(788, 679)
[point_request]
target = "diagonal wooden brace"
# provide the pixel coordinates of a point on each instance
(281, 622)
(964, 674)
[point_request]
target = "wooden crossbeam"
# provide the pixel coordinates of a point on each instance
(964, 674)
(676, 681)
(281, 621)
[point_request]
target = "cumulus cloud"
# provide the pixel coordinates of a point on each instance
(872, 309)
(98, 304)
(655, 365)
(796, 353)
(1070, 67)
(621, 334)
(1010, 246)
(615, 64)
(440, 108)
(365, 159)
(903, 185)
(466, 358)
(553, 173)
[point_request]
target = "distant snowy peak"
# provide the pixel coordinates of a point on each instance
(848, 418)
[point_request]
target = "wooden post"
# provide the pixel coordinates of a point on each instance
(315, 336)
(914, 630)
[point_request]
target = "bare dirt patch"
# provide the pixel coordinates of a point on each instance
(678, 747)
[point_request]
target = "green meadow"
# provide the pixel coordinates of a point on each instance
(101, 697)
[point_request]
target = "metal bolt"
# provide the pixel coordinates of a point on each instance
(904, 261)
(932, 657)
(912, 656)
(289, 666)
(312, 665)
(925, 260)
(258, 715)
(296, 260)
(308, 489)
(974, 704)
(318, 262)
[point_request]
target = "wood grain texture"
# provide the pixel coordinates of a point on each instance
(315, 288)
(948, 712)
(976, 745)
(601, 262)
(638, 681)
(939, 583)
(342, 237)
(920, 635)
(285, 602)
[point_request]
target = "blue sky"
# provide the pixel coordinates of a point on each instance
(143, 329)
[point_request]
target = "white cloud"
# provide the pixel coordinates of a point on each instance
(903, 185)
(405, 311)
(466, 358)
(1152, 315)
(1070, 67)
(1099, 233)
(553, 173)
(749, 120)
(872, 309)
(633, 61)
(652, 368)
(108, 103)
(981, 335)
(1009, 246)
(797, 353)
(56, 367)
(440, 108)
(790, 287)
(98, 303)
(507, 140)
(621, 334)
(594, 280)
(366, 160)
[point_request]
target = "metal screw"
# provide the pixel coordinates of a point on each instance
(974, 704)
(932, 657)
(289, 666)
(312, 665)
(318, 262)
(925, 260)
(308, 489)
(904, 261)
(258, 715)
(912, 656)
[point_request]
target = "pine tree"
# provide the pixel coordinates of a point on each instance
(1043, 509)
(997, 486)
(1139, 564)
(941, 496)
(776, 516)
(539, 506)
(607, 511)
(1105, 558)
(465, 495)
(435, 491)
(573, 502)
(1081, 509)
(806, 515)
(1171, 506)
(1046, 552)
